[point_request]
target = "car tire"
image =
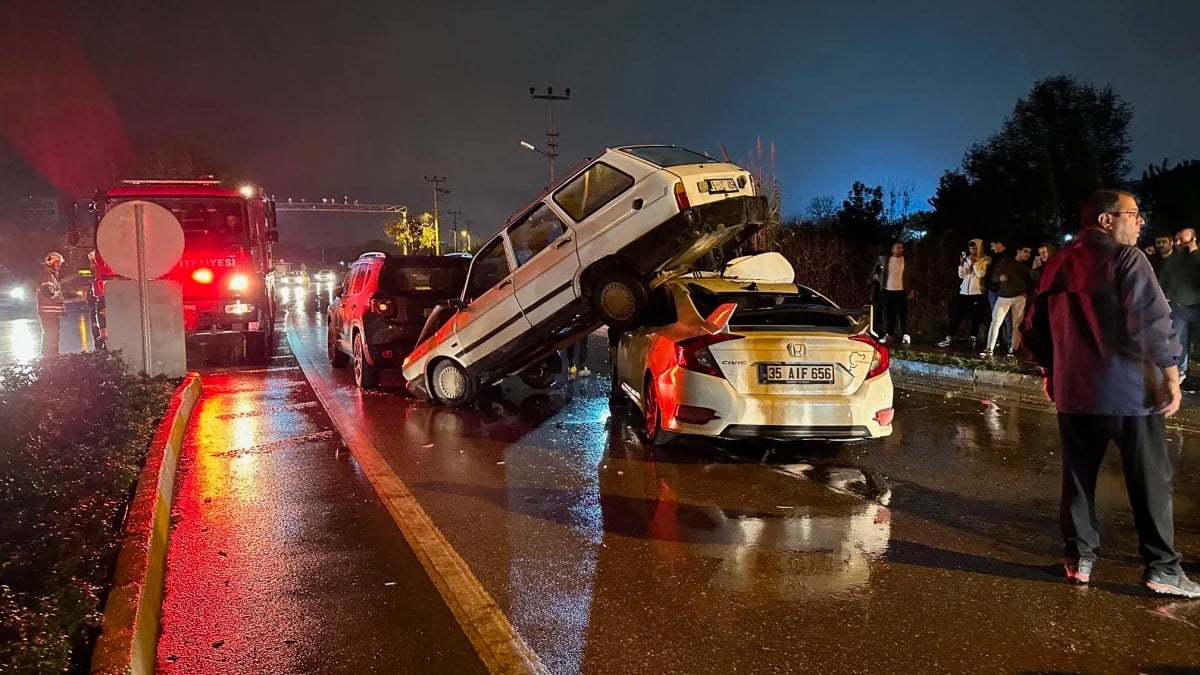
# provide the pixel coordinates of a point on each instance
(616, 395)
(543, 375)
(337, 357)
(618, 298)
(450, 385)
(652, 416)
(366, 376)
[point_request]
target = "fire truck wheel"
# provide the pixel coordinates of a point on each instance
(257, 348)
(366, 376)
(337, 357)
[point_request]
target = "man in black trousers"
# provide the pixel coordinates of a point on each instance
(1101, 330)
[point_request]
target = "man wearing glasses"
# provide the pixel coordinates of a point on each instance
(1179, 275)
(1101, 330)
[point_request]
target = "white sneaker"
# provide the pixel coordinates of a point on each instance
(944, 343)
(584, 372)
(985, 354)
(906, 340)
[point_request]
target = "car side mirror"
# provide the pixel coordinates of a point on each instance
(273, 236)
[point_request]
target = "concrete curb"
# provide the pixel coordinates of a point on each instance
(129, 636)
(941, 378)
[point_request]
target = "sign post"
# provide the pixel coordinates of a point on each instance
(142, 240)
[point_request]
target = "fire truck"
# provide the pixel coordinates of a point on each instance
(228, 235)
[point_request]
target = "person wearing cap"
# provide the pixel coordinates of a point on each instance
(50, 302)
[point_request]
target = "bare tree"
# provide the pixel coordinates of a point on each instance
(821, 208)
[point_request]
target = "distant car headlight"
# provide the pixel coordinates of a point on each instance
(17, 293)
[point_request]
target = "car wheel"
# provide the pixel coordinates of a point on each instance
(451, 385)
(652, 416)
(618, 298)
(543, 375)
(615, 393)
(366, 376)
(337, 357)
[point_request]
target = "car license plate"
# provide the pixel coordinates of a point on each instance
(795, 373)
(722, 185)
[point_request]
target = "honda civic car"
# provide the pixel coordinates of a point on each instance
(584, 253)
(737, 359)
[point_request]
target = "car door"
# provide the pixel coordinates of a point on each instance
(492, 318)
(340, 318)
(545, 253)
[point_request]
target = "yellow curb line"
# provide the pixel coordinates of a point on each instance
(498, 644)
(129, 636)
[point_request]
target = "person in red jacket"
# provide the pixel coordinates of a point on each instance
(1100, 328)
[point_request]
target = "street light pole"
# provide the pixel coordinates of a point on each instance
(551, 136)
(437, 223)
(455, 214)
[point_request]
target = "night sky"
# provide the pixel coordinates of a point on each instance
(365, 98)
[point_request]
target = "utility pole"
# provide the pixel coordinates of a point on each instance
(467, 234)
(437, 223)
(551, 135)
(455, 214)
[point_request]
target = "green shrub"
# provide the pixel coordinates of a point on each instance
(74, 431)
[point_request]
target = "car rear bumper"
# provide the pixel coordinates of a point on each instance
(778, 416)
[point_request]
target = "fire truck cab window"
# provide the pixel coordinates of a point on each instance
(212, 222)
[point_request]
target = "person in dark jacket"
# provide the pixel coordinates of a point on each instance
(1013, 280)
(1179, 276)
(1164, 246)
(1101, 330)
(50, 302)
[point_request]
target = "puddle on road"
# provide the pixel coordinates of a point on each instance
(275, 445)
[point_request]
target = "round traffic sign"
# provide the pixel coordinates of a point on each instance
(116, 239)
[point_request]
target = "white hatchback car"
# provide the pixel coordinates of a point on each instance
(739, 359)
(582, 254)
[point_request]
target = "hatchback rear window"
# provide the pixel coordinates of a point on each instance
(442, 280)
(771, 309)
(666, 155)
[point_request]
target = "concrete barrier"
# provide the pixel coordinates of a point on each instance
(129, 634)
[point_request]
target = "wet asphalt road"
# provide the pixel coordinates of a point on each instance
(607, 556)
(281, 558)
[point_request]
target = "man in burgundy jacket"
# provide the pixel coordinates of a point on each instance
(1101, 330)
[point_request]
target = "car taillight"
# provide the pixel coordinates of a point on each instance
(879, 362)
(238, 282)
(383, 306)
(693, 353)
(681, 197)
(202, 276)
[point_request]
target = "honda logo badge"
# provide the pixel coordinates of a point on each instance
(796, 349)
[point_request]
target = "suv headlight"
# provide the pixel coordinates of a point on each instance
(17, 293)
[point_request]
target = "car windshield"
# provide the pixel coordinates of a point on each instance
(442, 280)
(207, 222)
(802, 308)
(669, 155)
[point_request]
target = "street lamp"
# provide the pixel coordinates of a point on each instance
(530, 146)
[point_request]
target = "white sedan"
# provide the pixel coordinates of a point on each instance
(739, 359)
